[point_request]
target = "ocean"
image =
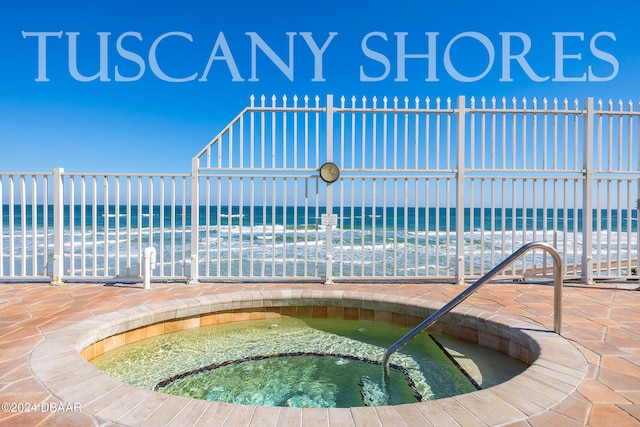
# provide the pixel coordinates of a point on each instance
(291, 242)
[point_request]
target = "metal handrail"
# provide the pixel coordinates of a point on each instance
(557, 303)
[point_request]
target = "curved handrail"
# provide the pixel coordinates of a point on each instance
(557, 303)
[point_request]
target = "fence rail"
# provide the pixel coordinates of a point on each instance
(428, 190)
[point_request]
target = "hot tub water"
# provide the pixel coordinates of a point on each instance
(290, 362)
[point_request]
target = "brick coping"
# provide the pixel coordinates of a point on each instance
(556, 368)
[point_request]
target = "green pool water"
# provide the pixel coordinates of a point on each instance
(306, 381)
(300, 363)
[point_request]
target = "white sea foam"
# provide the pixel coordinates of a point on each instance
(421, 253)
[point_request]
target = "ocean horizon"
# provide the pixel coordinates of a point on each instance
(420, 218)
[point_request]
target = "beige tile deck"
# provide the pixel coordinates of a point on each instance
(602, 321)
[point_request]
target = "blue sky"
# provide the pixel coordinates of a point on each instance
(140, 122)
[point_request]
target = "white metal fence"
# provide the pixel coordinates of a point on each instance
(428, 190)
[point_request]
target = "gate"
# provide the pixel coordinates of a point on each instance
(266, 211)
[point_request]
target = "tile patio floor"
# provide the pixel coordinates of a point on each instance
(602, 321)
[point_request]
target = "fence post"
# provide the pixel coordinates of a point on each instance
(329, 195)
(195, 220)
(460, 147)
(587, 193)
(58, 226)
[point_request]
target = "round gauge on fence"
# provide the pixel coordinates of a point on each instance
(329, 172)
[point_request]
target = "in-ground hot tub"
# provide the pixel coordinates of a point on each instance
(60, 361)
(306, 362)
